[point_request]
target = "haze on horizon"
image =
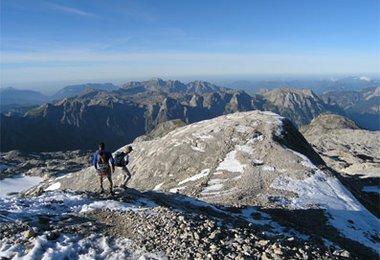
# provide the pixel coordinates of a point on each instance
(68, 41)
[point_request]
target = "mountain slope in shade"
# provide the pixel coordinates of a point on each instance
(361, 106)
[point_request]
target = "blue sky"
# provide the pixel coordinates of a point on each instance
(93, 40)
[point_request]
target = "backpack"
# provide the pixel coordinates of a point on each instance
(103, 164)
(119, 159)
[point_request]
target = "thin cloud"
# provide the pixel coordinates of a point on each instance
(70, 10)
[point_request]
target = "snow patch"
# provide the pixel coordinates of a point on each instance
(54, 186)
(158, 186)
(198, 176)
(231, 164)
(70, 246)
(212, 188)
(352, 219)
(177, 189)
(256, 139)
(17, 184)
(195, 148)
(268, 168)
(245, 149)
(114, 205)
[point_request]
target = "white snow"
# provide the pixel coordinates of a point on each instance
(256, 139)
(70, 246)
(158, 186)
(268, 168)
(177, 189)
(212, 188)
(17, 184)
(374, 189)
(113, 205)
(215, 181)
(198, 176)
(195, 148)
(306, 161)
(218, 173)
(255, 161)
(215, 185)
(54, 186)
(245, 149)
(346, 213)
(231, 164)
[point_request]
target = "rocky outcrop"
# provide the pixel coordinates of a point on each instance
(344, 146)
(45, 165)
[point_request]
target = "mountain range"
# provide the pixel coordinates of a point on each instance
(135, 108)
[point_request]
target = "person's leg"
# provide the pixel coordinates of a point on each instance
(100, 177)
(109, 177)
(127, 176)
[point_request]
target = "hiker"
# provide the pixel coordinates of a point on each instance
(104, 165)
(121, 161)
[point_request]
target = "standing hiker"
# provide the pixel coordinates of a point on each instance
(104, 165)
(121, 161)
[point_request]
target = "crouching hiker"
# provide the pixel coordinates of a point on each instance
(121, 161)
(104, 165)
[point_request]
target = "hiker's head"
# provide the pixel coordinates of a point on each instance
(128, 149)
(102, 146)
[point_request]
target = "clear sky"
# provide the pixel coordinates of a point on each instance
(93, 40)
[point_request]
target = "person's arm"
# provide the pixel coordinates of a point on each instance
(126, 159)
(112, 162)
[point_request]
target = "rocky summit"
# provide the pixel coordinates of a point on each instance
(254, 166)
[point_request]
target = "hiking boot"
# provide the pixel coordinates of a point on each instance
(112, 193)
(101, 191)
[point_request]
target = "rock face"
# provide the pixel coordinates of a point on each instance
(301, 105)
(344, 146)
